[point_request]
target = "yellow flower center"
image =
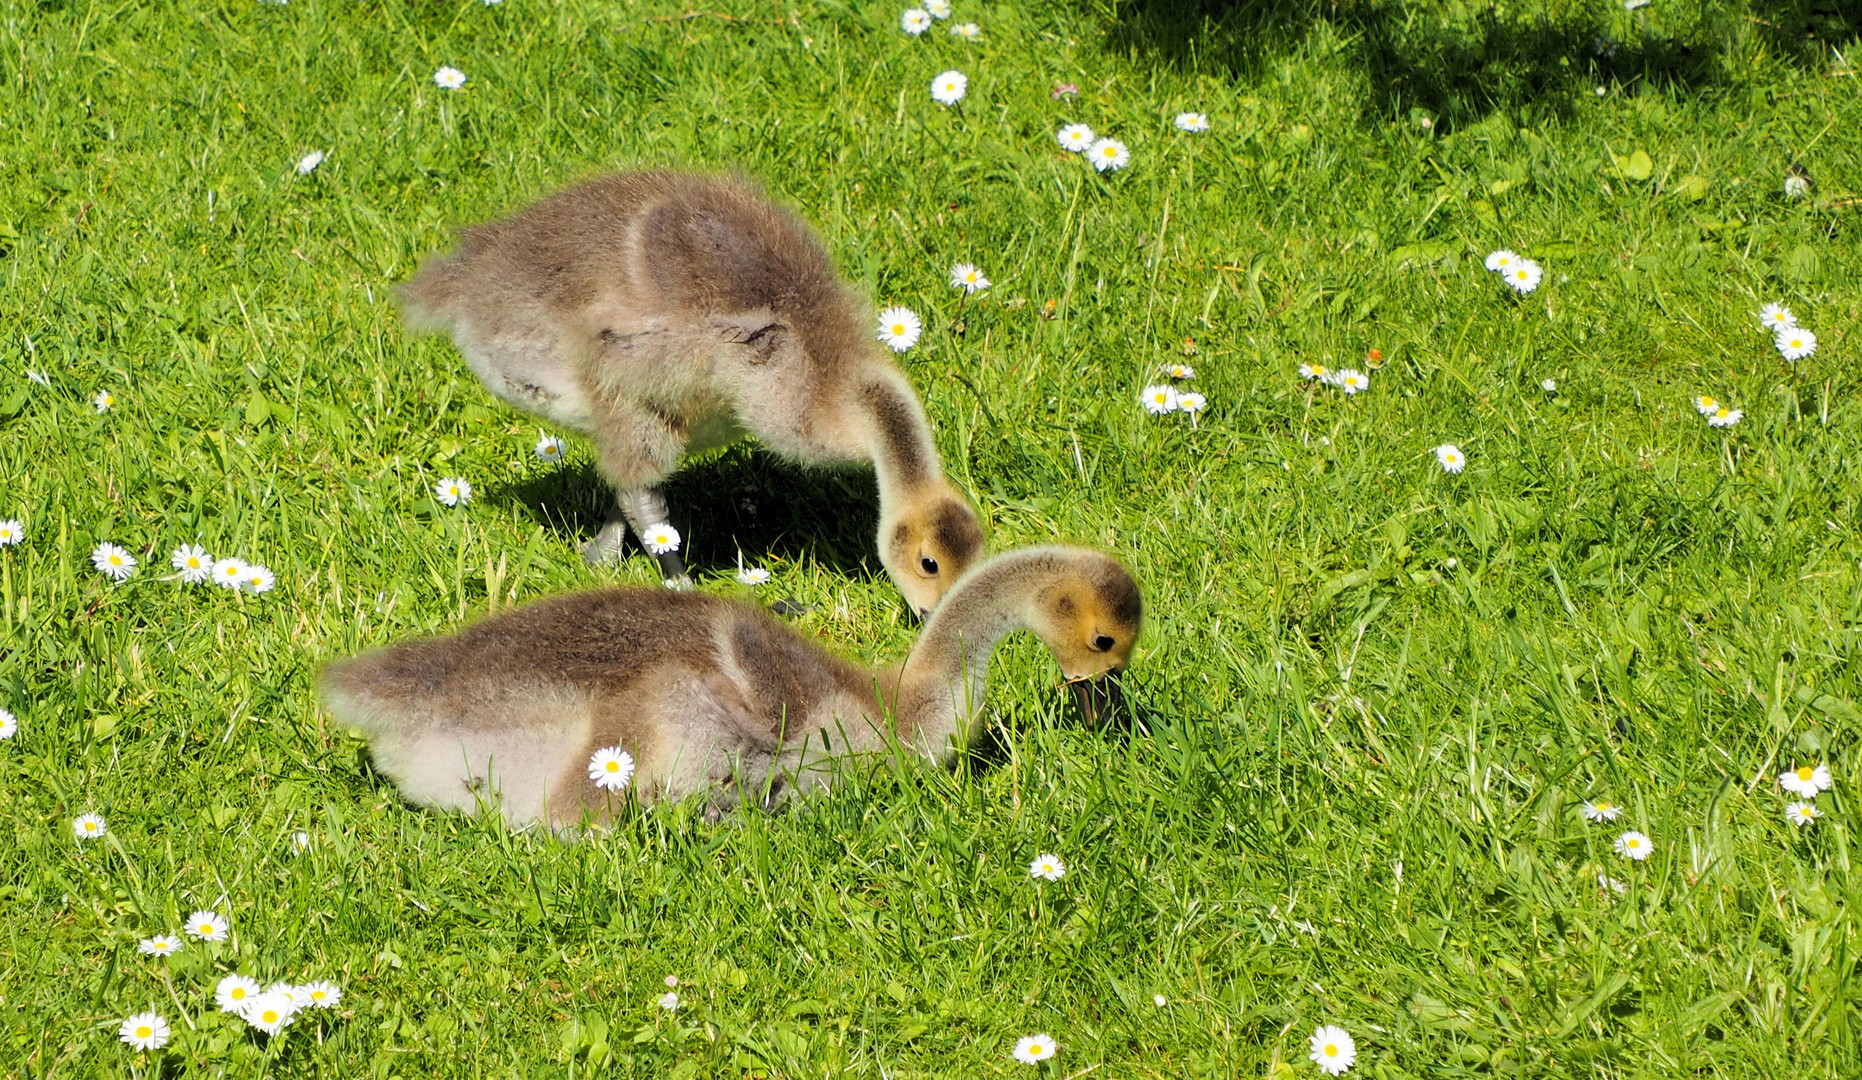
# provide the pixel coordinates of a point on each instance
(144, 1031)
(238, 994)
(270, 1016)
(206, 928)
(1805, 773)
(317, 995)
(614, 766)
(1331, 1050)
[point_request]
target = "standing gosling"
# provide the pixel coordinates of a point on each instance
(707, 694)
(664, 314)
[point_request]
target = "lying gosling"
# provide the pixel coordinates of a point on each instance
(707, 695)
(664, 314)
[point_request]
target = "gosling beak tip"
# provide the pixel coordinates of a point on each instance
(1099, 696)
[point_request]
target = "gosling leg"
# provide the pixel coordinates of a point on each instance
(644, 508)
(606, 546)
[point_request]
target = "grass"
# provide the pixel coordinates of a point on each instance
(1370, 697)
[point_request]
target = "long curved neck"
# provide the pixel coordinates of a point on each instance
(897, 436)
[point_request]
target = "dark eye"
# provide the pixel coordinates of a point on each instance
(1102, 643)
(928, 565)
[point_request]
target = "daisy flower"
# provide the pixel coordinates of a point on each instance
(1451, 458)
(672, 980)
(89, 826)
(1351, 380)
(115, 563)
(611, 768)
(144, 1031)
(1796, 343)
(1159, 1000)
(549, 448)
(11, 532)
(1065, 90)
(453, 491)
(660, 539)
(1801, 814)
(1706, 404)
(449, 78)
(949, 88)
(669, 1000)
(1191, 403)
(300, 842)
(230, 573)
(756, 575)
(899, 328)
(104, 400)
(1109, 155)
(159, 945)
(1524, 277)
(1795, 186)
(1615, 885)
(257, 579)
(294, 996)
(938, 9)
(969, 31)
(1503, 260)
(234, 993)
(1333, 1049)
(1806, 780)
(9, 725)
(1180, 371)
(914, 22)
(207, 926)
(1159, 399)
(1191, 121)
(1077, 138)
(1725, 417)
(193, 563)
(1034, 1049)
(1777, 318)
(1550, 386)
(309, 162)
(1315, 371)
(1047, 868)
(268, 1012)
(968, 278)
(321, 994)
(1600, 810)
(1634, 845)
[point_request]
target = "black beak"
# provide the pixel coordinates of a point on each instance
(1098, 696)
(924, 613)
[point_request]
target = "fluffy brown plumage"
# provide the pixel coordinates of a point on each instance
(664, 313)
(708, 695)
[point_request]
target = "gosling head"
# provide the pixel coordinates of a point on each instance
(1090, 619)
(932, 541)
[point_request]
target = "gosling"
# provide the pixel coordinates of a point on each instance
(664, 314)
(707, 695)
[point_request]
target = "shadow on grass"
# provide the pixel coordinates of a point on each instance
(1457, 63)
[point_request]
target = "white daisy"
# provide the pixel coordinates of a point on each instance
(104, 401)
(914, 22)
(1801, 814)
(453, 491)
(257, 579)
(1706, 404)
(949, 88)
(1159, 399)
(1795, 343)
(1502, 260)
(206, 925)
(672, 980)
(1634, 845)
(89, 826)
(1109, 155)
(1191, 121)
(1550, 386)
(969, 31)
(321, 994)
(115, 563)
(1159, 1000)
(300, 842)
(1077, 138)
(1524, 277)
(1315, 371)
(1034, 1049)
(159, 945)
(234, 993)
(1777, 318)
(294, 995)
(756, 575)
(968, 278)
(899, 328)
(1632, 5)
(1725, 417)
(229, 573)
(1795, 186)
(549, 448)
(669, 1000)
(1351, 380)
(1047, 868)
(1180, 371)
(660, 539)
(1333, 1049)
(449, 78)
(1806, 780)
(938, 9)
(193, 563)
(1451, 457)
(1600, 810)
(12, 532)
(144, 1031)
(611, 768)
(268, 1012)
(1191, 402)
(309, 162)
(1615, 885)
(9, 724)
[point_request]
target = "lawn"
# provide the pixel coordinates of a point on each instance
(1372, 696)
